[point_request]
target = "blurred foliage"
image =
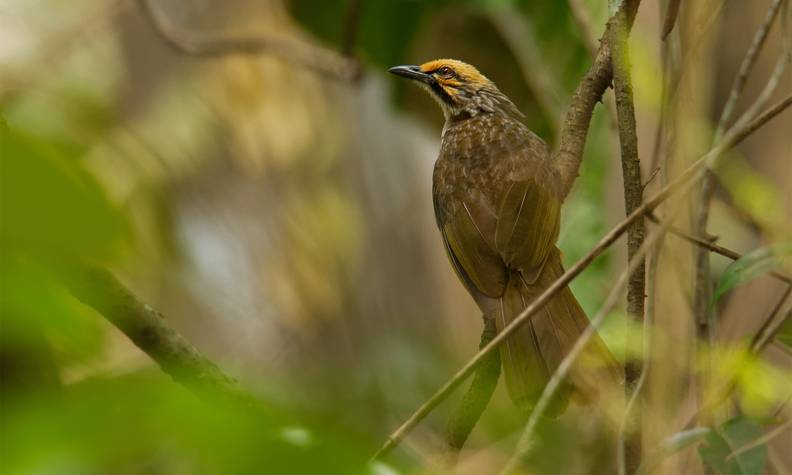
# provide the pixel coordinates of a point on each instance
(71, 157)
(54, 213)
(720, 446)
(142, 423)
(753, 265)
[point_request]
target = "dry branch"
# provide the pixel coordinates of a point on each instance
(321, 60)
(633, 196)
(711, 246)
(148, 330)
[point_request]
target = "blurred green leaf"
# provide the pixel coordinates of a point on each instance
(784, 335)
(143, 423)
(50, 205)
(731, 436)
(751, 266)
(672, 445)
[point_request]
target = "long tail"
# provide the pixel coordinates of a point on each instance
(534, 352)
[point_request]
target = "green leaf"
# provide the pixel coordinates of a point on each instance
(718, 453)
(672, 445)
(751, 266)
(784, 335)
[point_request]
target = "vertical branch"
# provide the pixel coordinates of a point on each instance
(633, 198)
(703, 287)
(475, 400)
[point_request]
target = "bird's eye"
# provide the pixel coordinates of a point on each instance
(446, 71)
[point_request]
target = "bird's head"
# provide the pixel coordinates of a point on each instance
(460, 89)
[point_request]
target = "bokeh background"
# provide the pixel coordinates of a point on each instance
(279, 215)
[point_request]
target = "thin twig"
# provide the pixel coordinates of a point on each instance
(633, 196)
(299, 52)
(717, 249)
(765, 334)
(649, 314)
(746, 66)
(149, 331)
(682, 182)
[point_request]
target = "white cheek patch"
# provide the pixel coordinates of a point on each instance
(447, 110)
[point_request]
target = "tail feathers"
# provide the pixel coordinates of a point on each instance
(534, 352)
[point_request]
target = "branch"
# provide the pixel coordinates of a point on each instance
(682, 183)
(321, 60)
(475, 400)
(747, 66)
(633, 196)
(723, 251)
(590, 90)
(100, 290)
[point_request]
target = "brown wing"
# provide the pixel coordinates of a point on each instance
(481, 242)
(474, 259)
(528, 223)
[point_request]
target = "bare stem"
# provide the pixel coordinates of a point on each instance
(633, 196)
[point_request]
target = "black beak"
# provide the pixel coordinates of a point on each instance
(412, 72)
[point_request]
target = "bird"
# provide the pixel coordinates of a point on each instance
(497, 200)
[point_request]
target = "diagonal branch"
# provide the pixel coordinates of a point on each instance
(321, 60)
(747, 66)
(100, 290)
